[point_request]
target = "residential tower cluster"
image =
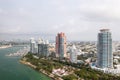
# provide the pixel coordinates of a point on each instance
(98, 54)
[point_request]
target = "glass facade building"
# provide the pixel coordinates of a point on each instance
(43, 50)
(104, 49)
(33, 46)
(73, 54)
(61, 45)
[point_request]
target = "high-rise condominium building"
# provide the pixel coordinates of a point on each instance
(73, 54)
(43, 48)
(61, 45)
(104, 49)
(33, 46)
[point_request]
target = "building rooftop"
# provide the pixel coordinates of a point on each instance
(104, 30)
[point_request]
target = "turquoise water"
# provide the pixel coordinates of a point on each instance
(11, 69)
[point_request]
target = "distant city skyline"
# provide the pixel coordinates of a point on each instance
(78, 19)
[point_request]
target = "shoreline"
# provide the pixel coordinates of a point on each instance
(34, 67)
(5, 46)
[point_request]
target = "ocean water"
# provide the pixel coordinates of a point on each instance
(11, 69)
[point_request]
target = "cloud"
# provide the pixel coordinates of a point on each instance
(10, 30)
(101, 11)
(79, 19)
(22, 12)
(1, 10)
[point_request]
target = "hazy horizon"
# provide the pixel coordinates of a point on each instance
(78, 19)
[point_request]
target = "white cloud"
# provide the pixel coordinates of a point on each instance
(11, 30)
(107, 10)
(22, 12)
(79, 19)
(1, 10)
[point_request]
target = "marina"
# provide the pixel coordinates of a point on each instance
(12, 69)
(5, 46)
(20, 52)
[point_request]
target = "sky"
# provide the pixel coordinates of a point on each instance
(79, 19)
